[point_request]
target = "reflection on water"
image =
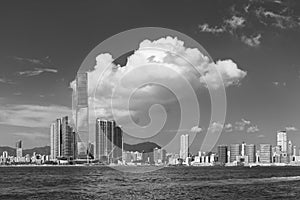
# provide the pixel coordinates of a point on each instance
(168, 183)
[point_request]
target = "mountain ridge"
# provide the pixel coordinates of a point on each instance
(145, 147)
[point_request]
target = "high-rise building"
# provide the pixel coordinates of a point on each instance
(55, 139)
(108, 141)
(19, 150)
(81, 111)
(68, 139)
(290, 151)
(276, 154)
(184, 146)
(250, 151)
(5, 154)
(282, 141)
(265, 153)
(62, 139)
(118, 144)
(159, 155)
(52, 141)
(243, 150)
(222, 154)
(235, 151)
(294, 151)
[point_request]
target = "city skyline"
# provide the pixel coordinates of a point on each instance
(35, 84)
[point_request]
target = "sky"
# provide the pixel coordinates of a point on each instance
(42, 45)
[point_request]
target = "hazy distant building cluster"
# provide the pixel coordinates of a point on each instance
(20, 158)
(283, 153)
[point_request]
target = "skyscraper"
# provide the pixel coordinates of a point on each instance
(290, 151)
(184, 146)
(250, 151)
(81, 107)
(62, 139)
(282, 141)
(56, 139)
(19, 150)
(222, 154)
(108, 141)
(265, 153)
(68, 139)
(159, 155)
(235, 151)
(118, 144)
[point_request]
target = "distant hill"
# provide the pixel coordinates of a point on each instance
(11, 151)
(140, 147)
(39, 150)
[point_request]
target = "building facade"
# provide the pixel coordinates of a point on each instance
(265, 153)
(184, 146)
(222, 154)
(250, 151)
(108, 141)
(235, 152)
(62, 140)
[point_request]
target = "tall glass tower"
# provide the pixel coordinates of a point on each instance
(81, 112)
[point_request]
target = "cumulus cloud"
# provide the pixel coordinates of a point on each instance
(291, 128)
(31, 115)
(235, 22)
(253, 41)
(252, 129)
(229, 71)
(228, 128)
(215, 126)
(245, 125)
(166, 61)
(196, 129)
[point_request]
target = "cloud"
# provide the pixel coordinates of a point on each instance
(215, 126)
(249, 20)
(253, 41)
(276, 83)
(228, 128)
(36, 71)
(206, 28)
(291, 128)
(229, 71)
(31, 115)
(39, 66)
(245, 125)
(246, 121)
(261, 136)
(29, 60)
(235, 22)
(163, 61)
(252, 129)
(278, 20)
(6, 81)
(196, 129)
